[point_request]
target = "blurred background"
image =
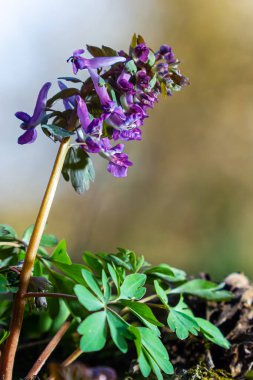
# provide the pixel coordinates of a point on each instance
(188, 200)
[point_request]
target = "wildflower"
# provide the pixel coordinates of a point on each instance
(80, 63)
(29, 123)
(141, 52)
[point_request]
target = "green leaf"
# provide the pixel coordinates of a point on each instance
(48, 241)
(95, 51)
(92, 283)
(93, 329)
(155, 368)
(101, 82)
(109, 52)
(118, 329)
(152, 82)
(71, 79)
(87, 299)
(57, 131)
(106, 286)
(73, 271)
(3, 336)
(142, 311)
(143, 363)
(63, 284)
(92, 261)
(161, 269)
(212, 333)
(139, 263)
(60, 254)
(131, 67)
(204, 289)
(3, 284)
(151, 58)
(7, 233)
(132, 286)
(63, 94)
(181, 322)
(133, 43)
(140, 39)
(156, 349)
(78, 168)
(114, 277)
(27, 234)
(161, 293)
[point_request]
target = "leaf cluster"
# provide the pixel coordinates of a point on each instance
(112, 298)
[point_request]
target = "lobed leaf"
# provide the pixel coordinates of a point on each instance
(92, 283)
(132, 286)
(119, 330)
(212, 333)
(87, 299)
(93, 331)
(204, 289)
(182, 321)
(60, 254)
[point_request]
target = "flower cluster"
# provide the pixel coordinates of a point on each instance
(111, 105)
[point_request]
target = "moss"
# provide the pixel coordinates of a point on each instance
(201, 372)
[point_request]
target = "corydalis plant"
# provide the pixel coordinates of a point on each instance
(107, 292)
(109, 107)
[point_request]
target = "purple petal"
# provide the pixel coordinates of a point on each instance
(141, 52)
(95, 63)
(23, 116)
(116, 170)
(28, 137)
(127, 135)
(78, 52)
(40, 106)
(95, 127)
(100, 90)
(83, 113)
(92, 146)
(68, 102)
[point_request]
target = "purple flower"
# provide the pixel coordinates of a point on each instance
(105, 100)
(127, 135)
(162, 68)
(91, 130)
(166, 53)
(83, 113)
(119, 164)
(69, 103)
(142, 78)
(141, 52)
(118, 161)
(29, 123)
(124, 84)
(80, 63)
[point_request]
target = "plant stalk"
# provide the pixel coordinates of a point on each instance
(19, 302)
(47, 352)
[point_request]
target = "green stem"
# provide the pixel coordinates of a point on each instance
(19, 302)
(47, 294)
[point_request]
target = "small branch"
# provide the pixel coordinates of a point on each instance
(69, 360)
(152, 297)
(156, 305)
(47, 351)
(47, 294)
(33, 344)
